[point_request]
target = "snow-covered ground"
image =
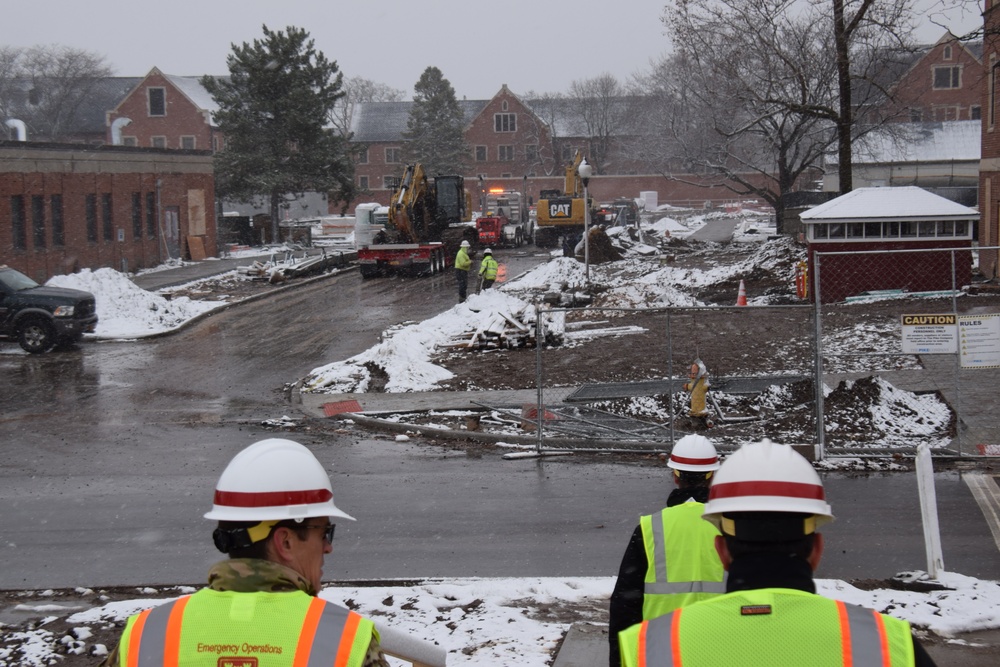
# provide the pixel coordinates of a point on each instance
(479, 621)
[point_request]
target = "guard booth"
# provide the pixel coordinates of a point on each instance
(884, 219)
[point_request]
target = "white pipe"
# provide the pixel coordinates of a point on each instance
(22, 129)
(928, 511)
(116, 130)
(417, 652)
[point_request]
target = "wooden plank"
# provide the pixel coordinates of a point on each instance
(196, 247)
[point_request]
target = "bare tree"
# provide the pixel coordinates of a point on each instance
(599, 108)
(784, 77)
(45, 86)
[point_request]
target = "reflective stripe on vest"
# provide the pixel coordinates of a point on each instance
(863, 639)
(662, 585)
(327, 630)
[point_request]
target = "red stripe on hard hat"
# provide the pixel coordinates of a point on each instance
(766, 488)
(694, 462)
(271, 498)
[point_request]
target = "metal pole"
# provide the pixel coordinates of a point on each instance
(958, 359)
(586, 233)
(670, 378)
(818, 369)
(539, 337)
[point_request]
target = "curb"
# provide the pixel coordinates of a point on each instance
(227, 305)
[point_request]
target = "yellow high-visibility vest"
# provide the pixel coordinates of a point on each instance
(683, 565)
(770, 626)
(277, 629)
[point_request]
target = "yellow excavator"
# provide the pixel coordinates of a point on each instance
(561, 213)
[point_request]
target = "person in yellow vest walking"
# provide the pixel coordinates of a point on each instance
(767, 501)
(488, 269)
(670, 561)
(275, 512)
(462, 265)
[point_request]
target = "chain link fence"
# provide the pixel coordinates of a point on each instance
(880, 358)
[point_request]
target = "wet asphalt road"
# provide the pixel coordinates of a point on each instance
(111, 451)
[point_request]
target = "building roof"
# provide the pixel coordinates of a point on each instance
(192, 88)
(386, 121)
(902, 203)
(948, 141)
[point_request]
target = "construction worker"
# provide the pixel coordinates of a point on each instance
(698, 385)
(275, 512)
(488, 269)
(670, 560)
(767, 501)
(462, 265)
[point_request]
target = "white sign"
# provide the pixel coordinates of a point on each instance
(979, 340)
(930, 334)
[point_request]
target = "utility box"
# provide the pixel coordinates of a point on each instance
(649, 199)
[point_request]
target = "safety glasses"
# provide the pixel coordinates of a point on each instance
(327, 530)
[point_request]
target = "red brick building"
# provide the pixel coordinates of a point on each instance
(989, 166)
(165, 111)
(944, 84)
(65, 207)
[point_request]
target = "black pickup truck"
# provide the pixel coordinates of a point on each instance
(40, 317)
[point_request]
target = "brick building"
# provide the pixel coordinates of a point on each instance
(989, 167)
(165, 111)
(943, 84)
(65, 207)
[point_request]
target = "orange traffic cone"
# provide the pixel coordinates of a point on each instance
(741, 300)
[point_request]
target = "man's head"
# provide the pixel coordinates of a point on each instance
(274, 501)
(766, 498)
(693, 460)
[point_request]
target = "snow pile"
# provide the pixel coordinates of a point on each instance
(125, 310)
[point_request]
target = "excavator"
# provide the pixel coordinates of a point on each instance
(561, 213)
(419, 236)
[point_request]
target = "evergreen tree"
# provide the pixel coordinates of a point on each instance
(274, 112)
(434, 131)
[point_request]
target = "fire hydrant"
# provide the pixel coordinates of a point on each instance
(698, 386)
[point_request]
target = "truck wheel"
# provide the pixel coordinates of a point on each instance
(369, 270)
(36, 336)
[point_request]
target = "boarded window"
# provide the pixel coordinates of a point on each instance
(90, 213)
(38, 220)
(157, 101)
(58, 230)
(17, 222)
(137, 216)
(106, 219)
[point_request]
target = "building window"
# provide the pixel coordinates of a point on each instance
(975, 112)
(505, 122)
(503, 105)
(90, 213)
(505, 153)
(58, 233)
(567, 153)
(151, 214)
(946, 52)
(130, 141)
(363, 182)
(362, 156)
(38, 220)
(108, 225)
(157, 98)
(137, 216)
(916, 115)
(393, 155)
(19, 233)
(891, 229)
(480, 153)
(531, 152)
(947, 77)
(188, 143)
(158, 142)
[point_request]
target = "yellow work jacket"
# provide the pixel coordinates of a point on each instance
(462, 260)
(212, 628)
(683, 566)
(769, 626)
(488, 268)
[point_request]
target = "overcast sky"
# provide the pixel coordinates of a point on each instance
(531, 45)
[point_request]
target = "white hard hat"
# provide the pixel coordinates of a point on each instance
(695, 453)
(465, 244)
(487, 252)
(770, 478)
(272, 480)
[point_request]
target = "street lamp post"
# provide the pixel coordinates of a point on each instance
(586, 171)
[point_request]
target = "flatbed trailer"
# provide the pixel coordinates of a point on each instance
(415, 259)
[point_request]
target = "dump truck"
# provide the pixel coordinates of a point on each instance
(427, 219)
(505, 221)
(561, 214)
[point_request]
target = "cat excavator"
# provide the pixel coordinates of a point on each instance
(424, 227)
(561, 213)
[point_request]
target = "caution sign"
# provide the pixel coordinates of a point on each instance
(979, 337)
(930, 334)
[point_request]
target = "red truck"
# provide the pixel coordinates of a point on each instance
(505, 221)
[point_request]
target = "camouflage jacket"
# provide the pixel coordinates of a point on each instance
(249, 575)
